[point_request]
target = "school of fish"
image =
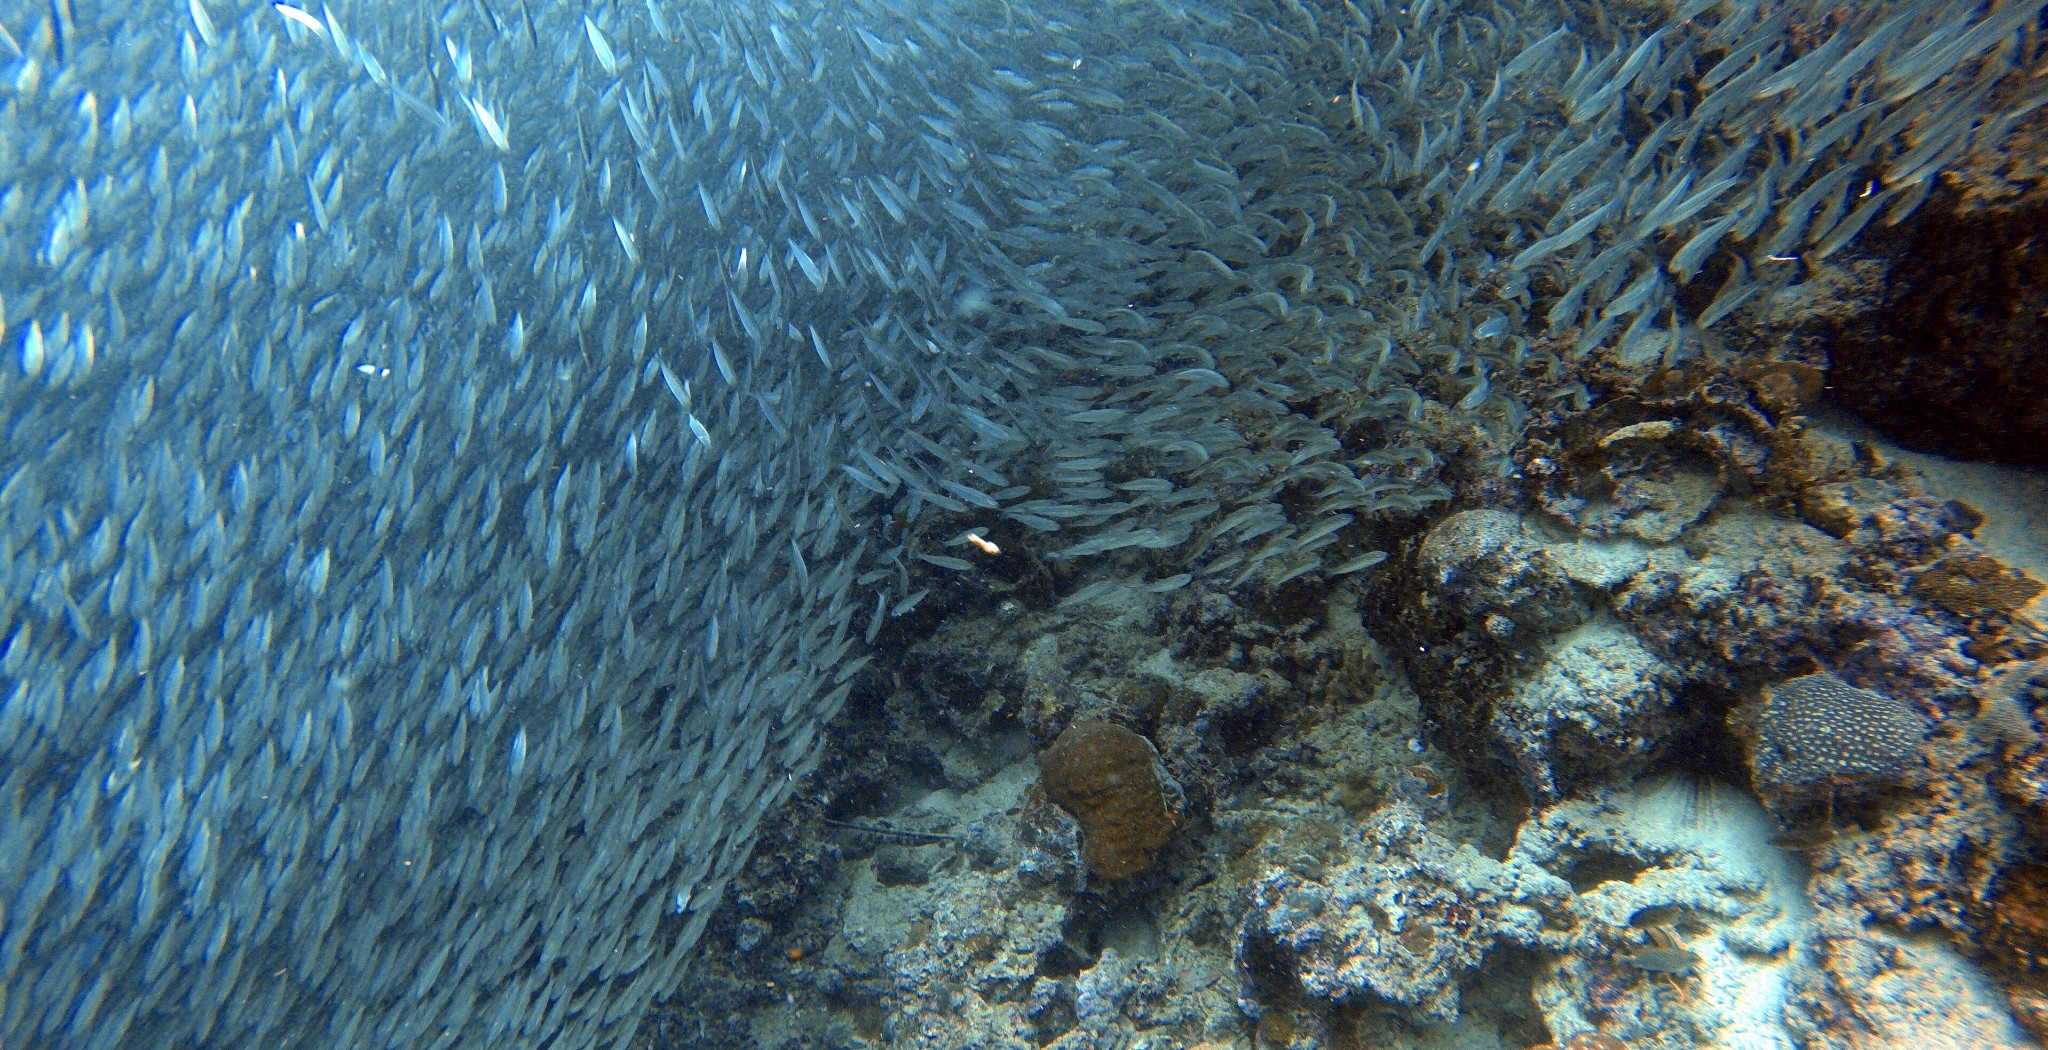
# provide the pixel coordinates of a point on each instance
(461, 452)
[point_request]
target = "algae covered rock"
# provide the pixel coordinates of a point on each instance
(1511, 640)
(1401, 919)
(1592, 711)
(1473, 600)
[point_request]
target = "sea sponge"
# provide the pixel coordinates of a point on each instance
(1110, 779)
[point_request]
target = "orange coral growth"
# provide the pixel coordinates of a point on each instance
(1974, 585)
(1787, 387)
(1107, 777)
(2030, 1009)
(2019, 915)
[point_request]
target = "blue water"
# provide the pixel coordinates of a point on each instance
(461, 458)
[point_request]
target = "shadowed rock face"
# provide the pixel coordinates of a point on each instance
(1951, 362)
(1108, 778)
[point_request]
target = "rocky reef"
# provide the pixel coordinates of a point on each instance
(1703, 717)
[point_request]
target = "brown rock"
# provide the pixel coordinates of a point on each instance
(1951, 362)
(2030, 1009)
(2018, 917)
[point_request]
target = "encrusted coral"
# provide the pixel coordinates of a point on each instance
(1510, 639)
(1591, 712)
(1400, 920)
(1926, 859)
(1109, 778)
(1972, 584)
(1470, 602)
(1658, 451)
(1867, 988)
(2019, 935)
(2007, 726)
(1403, 916)
(1483, 571)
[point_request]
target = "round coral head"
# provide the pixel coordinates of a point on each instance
(1107, 777)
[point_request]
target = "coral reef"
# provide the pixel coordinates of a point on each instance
(1400, 920)
(1720, 724)
(1109, 778)
(1526, 803)
(1817, 730)
(422, 592)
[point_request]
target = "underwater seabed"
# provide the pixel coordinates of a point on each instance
(1511, 791)
(1312, 510)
